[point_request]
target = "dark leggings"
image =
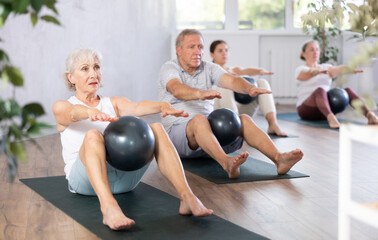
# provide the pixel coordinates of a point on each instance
(316, 106)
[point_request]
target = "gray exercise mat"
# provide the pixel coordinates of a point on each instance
(294, 117)
(252, 170)
(274, 136)
(155, 214)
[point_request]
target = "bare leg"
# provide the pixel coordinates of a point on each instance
(273, 125)
(332, 121)
(92, 154)
(372, 118)
(170, 166)
(199, 134)
(256, 138)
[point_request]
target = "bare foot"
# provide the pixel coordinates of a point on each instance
(114, 218)
(233, 164)
(276, 130)
(285, 161)
(332, 121)
(372, 118)
(191, 205)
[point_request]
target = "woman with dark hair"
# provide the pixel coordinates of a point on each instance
(314, 80)
(219, 53)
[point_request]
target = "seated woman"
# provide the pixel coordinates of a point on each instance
(81, 121)
(314, 80)
(219, 53)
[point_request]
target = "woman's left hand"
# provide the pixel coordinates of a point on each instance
(167, 109)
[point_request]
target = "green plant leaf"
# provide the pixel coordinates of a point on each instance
(6, 11)
(12, 108)
(37, 127)
(2, 110)
(18, 150)
(13, 75)
(51, 19)
(37, 4)
(33, 18)
(20, 6)
(51, 5)
(4, 56)
(34, 109)
(15, 131)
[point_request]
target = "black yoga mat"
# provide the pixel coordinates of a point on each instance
(155, 214)
(294, 117)
(251, 170)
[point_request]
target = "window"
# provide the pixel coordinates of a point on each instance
(303, 7)
(200, 14)
(250, 14)
(264, 15)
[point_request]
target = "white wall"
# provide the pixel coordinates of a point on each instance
(136, 38)
(133, 36)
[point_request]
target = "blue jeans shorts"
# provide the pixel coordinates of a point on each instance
(120, 181)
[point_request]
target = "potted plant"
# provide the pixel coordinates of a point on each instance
(18, 123)
(323, 23)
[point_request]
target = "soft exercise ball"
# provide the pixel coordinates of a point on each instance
(338, 99)
(129, 143)
(245, 98)
(226, 125)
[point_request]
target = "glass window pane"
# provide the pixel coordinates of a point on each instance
(261, 14)
(200, 14)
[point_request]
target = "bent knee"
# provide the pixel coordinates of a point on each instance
(199, 118)
(93, 135)
(196, 124)
(246, 118)
(264, 84)
(157, 127)
(320, 90)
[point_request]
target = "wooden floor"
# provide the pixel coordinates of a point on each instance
(302, 208)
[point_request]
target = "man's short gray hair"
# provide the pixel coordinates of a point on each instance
(185, 32)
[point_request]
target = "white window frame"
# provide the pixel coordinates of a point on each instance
(232, 19)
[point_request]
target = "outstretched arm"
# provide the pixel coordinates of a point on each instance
(251, 71)
(240, 85)
(340, 70)
(66, 113)
(310, 73)
(184, 92)
(126, 107)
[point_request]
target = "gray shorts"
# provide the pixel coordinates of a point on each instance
(180, 141)
(120, 181)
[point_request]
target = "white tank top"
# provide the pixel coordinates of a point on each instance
(72, 137)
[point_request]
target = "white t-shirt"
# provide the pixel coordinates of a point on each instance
(307, 87)
(72, 137)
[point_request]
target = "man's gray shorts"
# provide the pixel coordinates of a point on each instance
(120, 181)
(180, 141)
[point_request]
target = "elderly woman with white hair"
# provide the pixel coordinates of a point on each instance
(81, 121)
